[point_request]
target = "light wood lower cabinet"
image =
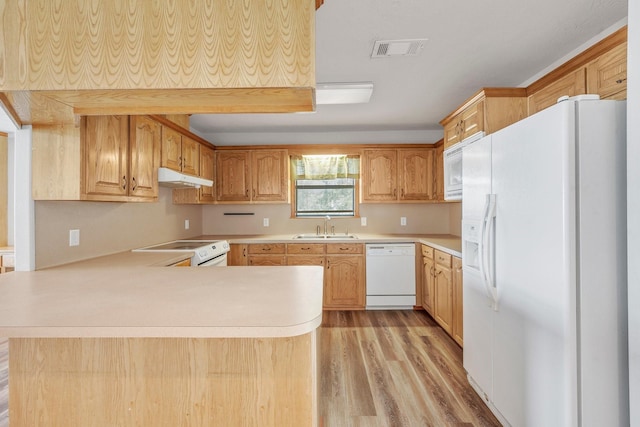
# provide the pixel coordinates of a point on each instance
(442, 290)
(267, 254)
(457, 300)
(443, 285)
(344, 272)
(428, 279)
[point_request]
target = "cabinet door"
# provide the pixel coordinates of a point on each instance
(144, 150)
(443, 297)
(171, 151)
(472, 120)
(607, 75)
(428, 285)
(570, 85)
(439, 175)
(452, 132)
(232, 176)
(237, 254)
(190, 156)
(344, 282)
(207, 170)
(379, 174)
(457, 300)
(106, 158)
(416, 175)
(270, 174)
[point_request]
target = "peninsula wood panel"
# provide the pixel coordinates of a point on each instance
(163, 382)
(61, 45)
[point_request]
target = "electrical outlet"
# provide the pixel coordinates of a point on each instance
(186, 224)
(363, 221)
(403, 221)
(265, 222)
(74, 237)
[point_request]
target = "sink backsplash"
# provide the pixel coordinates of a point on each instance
(443, 218)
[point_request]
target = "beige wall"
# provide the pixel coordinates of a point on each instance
(455, 219)
(107, 228)
(381, 218)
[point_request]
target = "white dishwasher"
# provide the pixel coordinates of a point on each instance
(391, 276)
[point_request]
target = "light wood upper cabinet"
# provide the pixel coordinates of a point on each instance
(232, 176)
(207, 171)
(144, 147)
(106, 155)
(379, 175)
(179, 152)
(404, 174)
(269, 175)
(607, 75)
(489, 110)
(570, 85)
(416, 174)
(252, 175)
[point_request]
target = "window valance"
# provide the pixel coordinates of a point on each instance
(318, 167)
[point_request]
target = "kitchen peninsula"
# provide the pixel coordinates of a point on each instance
(119, 340)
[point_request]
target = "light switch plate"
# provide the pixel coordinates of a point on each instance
(403, 220)
(265, 222)
(186, 224)
(74, 237)
(363, 221)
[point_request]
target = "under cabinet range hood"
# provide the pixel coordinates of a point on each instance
(170, 178)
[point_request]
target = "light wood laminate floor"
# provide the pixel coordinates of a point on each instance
(393, 368)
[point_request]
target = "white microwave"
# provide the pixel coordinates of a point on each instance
(453, 167)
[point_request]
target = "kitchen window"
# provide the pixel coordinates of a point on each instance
(325, 185)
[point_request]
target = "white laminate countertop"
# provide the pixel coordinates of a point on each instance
(445, 242)
(130, 295)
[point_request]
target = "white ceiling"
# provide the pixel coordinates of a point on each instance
(472, 44)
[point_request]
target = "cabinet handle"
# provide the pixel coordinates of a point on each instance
(621, 80)
(328, 264)
(305, 249)
(134, 184)
(244, 252)
(124, 182)
(246, 193)
(402, 193)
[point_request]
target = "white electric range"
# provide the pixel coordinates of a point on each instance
(206, 253)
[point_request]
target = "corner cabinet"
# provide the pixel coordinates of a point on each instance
(204, 194)
(398, 175)
(108, 158)
(179, 152)
(252, 176)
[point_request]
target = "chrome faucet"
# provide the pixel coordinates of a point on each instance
(326, 219)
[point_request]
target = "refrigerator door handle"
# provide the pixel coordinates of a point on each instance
(490, 252)
(484, 249)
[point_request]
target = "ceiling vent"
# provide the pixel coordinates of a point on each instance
(387, 48)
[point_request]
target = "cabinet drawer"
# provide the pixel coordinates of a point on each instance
(305, 260)
(427, 251)
(305, 248)
(267, 260)
(267, 248)
(345, 248)
(443, 259)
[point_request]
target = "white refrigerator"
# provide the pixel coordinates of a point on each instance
(544, 264)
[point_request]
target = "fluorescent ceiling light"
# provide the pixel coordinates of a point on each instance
(343, 93)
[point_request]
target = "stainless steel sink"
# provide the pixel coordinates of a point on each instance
(325, 236)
